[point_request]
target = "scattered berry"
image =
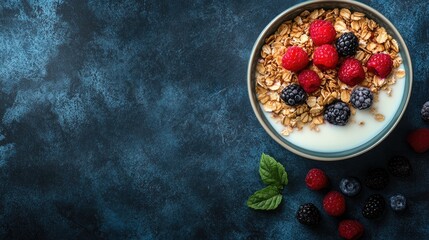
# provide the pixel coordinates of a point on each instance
(351, 72)
(334, 204)
(322, 32)
(399, 166)
(377, 178)
(419, 140)
(337, 113)
(361, 98)
(350, 186)
(325, 57)
(309, 80)
(347, 44)
(398, 202)
(425, 111)
(308, 214)
(374, 206)
(295, 59)
(316, 179)
(293, 95)
(350, 229)
(381, 64)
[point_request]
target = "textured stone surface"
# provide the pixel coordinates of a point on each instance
(131, 120)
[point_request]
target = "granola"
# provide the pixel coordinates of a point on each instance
(271, 77)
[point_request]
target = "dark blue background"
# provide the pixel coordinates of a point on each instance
(131, 120)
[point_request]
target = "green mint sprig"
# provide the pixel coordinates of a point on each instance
(274, 175)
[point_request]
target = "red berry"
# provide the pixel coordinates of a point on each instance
(381, 64)
(334, 203)
(350, 229)
(322, 32)
(309, 80)
(295, 59)
(316, 179)
(325, 57)
(419, 140)
(351, 72)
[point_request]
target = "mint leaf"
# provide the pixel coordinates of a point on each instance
(272, 172)
(267, 198)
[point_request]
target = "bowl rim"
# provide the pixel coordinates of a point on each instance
(256, 52)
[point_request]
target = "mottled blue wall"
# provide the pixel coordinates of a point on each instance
(131, 120)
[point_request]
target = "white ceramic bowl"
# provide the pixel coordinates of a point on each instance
(308, 151)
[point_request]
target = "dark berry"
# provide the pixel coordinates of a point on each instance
(374, 206)
(293, 95)
(398, 202)
(350, 186)
(308, 214)
(377, 178)
(337, 113)
(399, 166)
(347, 44)
(361, 98)
(425, 111)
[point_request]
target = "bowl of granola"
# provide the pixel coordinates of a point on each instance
(329, 79)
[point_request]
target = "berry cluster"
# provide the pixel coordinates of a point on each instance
(334, 202)
(327, 53)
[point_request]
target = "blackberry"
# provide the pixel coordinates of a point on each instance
(377, 178)
(399, 166)
(337, 113)
(347, 44)
(293, 95)
(361, 98)
(350, 186)
(308, 214)
(398, 202)
(425, 111)
(374, 206)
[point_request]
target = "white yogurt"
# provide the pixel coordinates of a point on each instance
(333, 138)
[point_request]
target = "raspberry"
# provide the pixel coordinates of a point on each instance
(419, 140)
(322, 32)
(425, 111)
(361, 98)
(334, 204)
(350, 186)
(293, 95)
(350, 229)
(351, 72)
(398, 202)
(308, 214)
(399, 166)
(374, 206)
(377, 178)
(337, 113)
(381, 64)
(347, 44)
(309, 80)
(316, 179)
(325, 57)
(295, 59)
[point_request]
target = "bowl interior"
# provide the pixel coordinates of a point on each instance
(328, 4)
